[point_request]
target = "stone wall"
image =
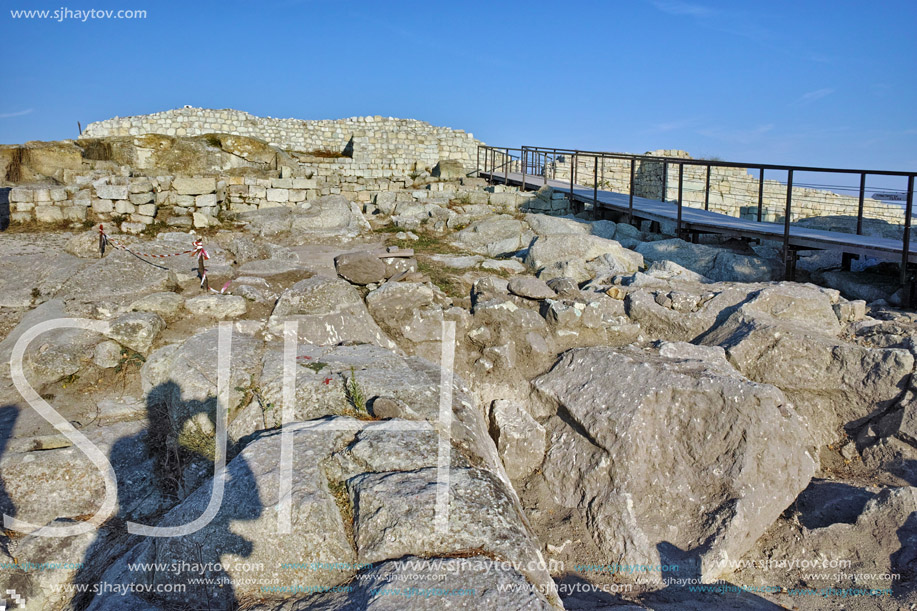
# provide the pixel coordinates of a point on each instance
(135, 203)
(733, 191)
(384, 143)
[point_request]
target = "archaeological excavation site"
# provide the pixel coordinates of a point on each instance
(371, 363)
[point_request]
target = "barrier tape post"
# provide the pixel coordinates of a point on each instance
(201, 257)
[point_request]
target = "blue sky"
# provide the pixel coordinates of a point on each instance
(818, 83)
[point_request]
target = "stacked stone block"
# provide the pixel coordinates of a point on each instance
(387, 144)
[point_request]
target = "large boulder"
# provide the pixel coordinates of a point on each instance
(831, 382)
(183, 378)
(166, 304)
(243, 542)
(35, 274)
(119, 275)
(331, 215)
(714, 263)
(519, 438)
(329, 311)
(360, 267)
(217, 306)
(137, 330)
(409, 313)
(449, 169)
(679, 308)
(494, 236)
(675, 448)
(868, 541)
(580, 257)
(492, 585)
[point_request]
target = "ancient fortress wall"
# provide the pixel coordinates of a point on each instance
(733, 191)
(382, 143)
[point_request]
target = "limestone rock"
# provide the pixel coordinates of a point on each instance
(830, 381)
(118, 275)
(553, 256)
(166, 304)
(183, 377)
(84, 245)
(35, 275)
(877, 539)
(714, 263)
(519, 438)
(530, 287)
(449, 169)
(331, 215)
(707, 495)
(407, 312)
(394, 517)
(217, 306)
(495, 587)
(494, 236)
(107, 354)
(360, 267)
(245, 530)
(136, 330)
(185, 185)
(329, 311)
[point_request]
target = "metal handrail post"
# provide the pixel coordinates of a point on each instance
(760, 193)
(630, 203)
(572, 176)
(522, 162)
(786, 221)
(906, 245)
(707, 190)
(595, 186)
(506, 169)
(861, 203)
(665, 179)
(681, 177)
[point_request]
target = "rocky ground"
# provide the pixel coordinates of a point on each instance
(635, 421)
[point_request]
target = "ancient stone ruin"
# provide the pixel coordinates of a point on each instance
(428, 391)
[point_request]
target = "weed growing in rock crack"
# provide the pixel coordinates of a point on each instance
(355, 394)
(338, 490)
(70, 379)
(128, 362)
(129, 358)
(442, 279)
(252, 391)
(315, 366)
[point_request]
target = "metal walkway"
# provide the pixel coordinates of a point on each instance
(694, 220)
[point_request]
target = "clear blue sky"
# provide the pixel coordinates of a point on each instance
(822, 83)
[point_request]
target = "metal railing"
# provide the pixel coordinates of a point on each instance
(543, 163)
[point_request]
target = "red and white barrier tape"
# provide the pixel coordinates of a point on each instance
(108, 240)
(199, 253)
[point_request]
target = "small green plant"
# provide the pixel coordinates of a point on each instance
(354, 392)
(70, 379)
(153, 229)
(129, 358)
(315, 366)
(36, 292)
(252, 391)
